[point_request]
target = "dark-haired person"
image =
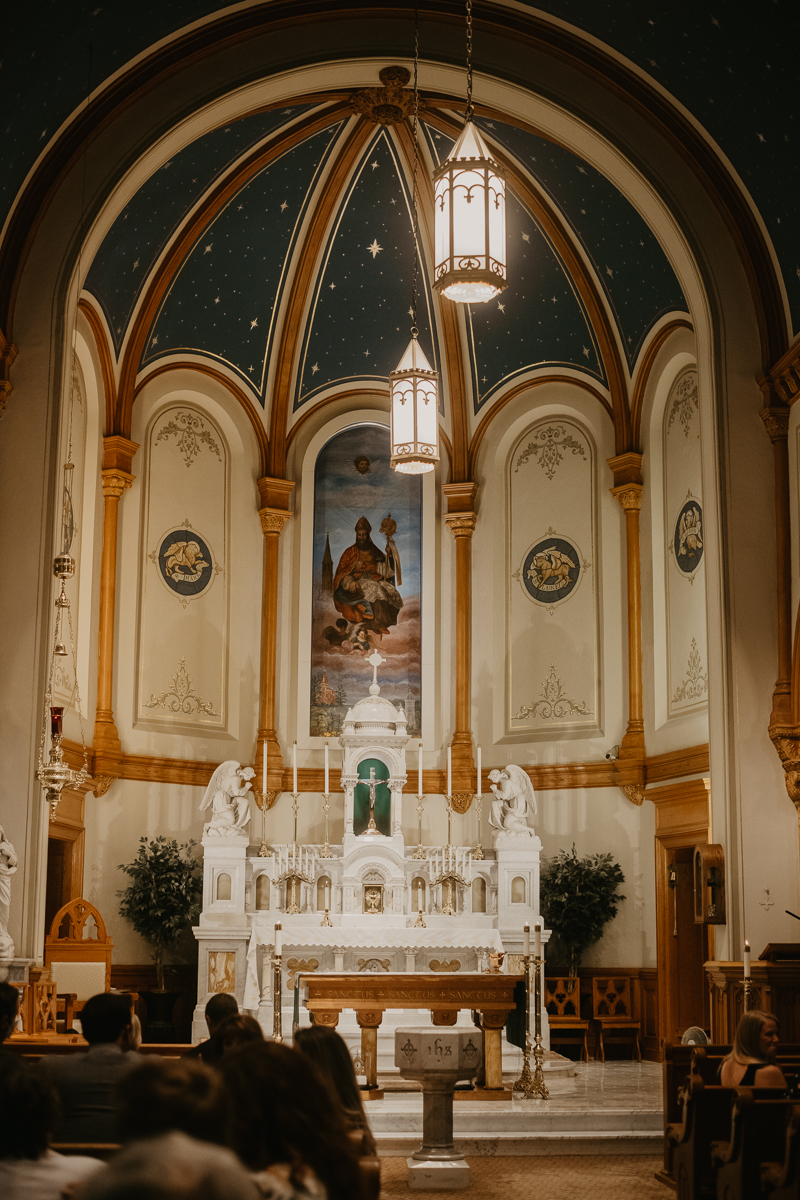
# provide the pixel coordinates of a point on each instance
(219, 1007)
(9, 1008)
(328, 1051)
(168, 1095)
(29, 1169)
(86, 1081)
(234, 1032)
(284, 1128)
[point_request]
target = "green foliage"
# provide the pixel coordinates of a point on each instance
(578, 898)
(164, 895)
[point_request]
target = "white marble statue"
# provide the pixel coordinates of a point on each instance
(8, 865)
(514, 800)
(228, 797)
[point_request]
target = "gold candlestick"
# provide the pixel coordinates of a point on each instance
(478, 851)
(532, 1086)
(326, 920)
(264, 800)
(747, 987)
(420, 850)
(326, 851)
(277, 1015)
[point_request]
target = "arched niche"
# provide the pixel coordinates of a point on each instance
(479, 894)
(223, 890)
(263, 885)
(519, 890)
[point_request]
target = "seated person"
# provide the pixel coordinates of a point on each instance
(219, 1007)
(171, 1095)
(30, 1112)
(172, 1167)
(751, 1063)
(86, 1081)
(329, 1053)
(9, 1009)
(283, 1127)
(234, 1032)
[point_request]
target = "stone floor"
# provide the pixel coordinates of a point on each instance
(599, 1177)
(613, 1108)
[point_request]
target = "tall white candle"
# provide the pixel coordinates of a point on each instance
(449, 772)
(480, 793)
(327, 789)
(537, 939)
(419, 892)
(747, 960)
(419, 772)
(263, 768)
(526, 939)
(278, 938)
(327, 897)
(294, 766)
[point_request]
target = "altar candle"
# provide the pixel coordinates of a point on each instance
(747, 960)
(326, 769)
(294, 767)
(277, 939)
(419, 895)
(449, 771)
(419, 772)
(327, 897)
(526, 932)
(263, 769)
(537, 940)
(480, 793)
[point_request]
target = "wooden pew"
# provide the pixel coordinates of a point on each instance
(706, 1061)
(706, 1118)
(103, 1150)
(780, 1180)
(757, 1134)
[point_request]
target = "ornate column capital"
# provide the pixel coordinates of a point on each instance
(461, 525)
(273, 520)
(115, 482)
(629, 496)
(776, 423)
(786, 740)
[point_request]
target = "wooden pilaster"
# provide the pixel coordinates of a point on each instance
(274, 513)
(460, 519)
(627, 490)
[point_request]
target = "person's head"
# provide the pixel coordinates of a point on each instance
(30, 1107)
(236, 1031)
(9, 1007)
(171, 1167)
(329, 1052)
(341, 625)
(363, 530)
(218, 1008)
(280, 1111)
(106, 1018)
(171, 1095)
(756, 1037)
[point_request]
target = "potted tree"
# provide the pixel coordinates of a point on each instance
(578, 897)
(160, 902)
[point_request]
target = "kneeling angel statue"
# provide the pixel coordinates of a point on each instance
(228, 797)
(514, 800)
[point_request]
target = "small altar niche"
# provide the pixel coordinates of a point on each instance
(383, 797)
(372, 894)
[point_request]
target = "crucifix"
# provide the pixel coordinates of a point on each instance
(372, 784)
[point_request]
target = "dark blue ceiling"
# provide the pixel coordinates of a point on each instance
(140, 233)
(224, 297)
(733, 65)
(631, 266)
(360, 321)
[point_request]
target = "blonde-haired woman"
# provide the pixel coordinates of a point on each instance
(751, 1063)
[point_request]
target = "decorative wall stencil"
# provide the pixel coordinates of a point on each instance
(695, 684)
(687, 537)
(454, 964)
(684, 402)
(185, 562)
(181, 698)
(554, 702)
(299, 966)
(551, 570)
(190, 431)
(184, 580)
(552, 604)
(683, 689)
(367, 575)
(546, 447)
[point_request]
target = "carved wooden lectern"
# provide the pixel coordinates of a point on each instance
(368, 995)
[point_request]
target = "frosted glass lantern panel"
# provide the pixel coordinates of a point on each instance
(223, 886)
(518, 890)
(262, 893)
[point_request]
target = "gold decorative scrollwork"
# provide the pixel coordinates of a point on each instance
(387, 105)
(554, 703)
(461, 524)
(180, 698)
(685, 402)
(436, 965)
(299, 966)
(273, 519)
(546, 449)
(191, 433)
(696, 682)
(101, 784)
(461, 802)
(634, 792)
(629, 496)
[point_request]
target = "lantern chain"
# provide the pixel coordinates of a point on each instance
(469, 112)
(414, 329)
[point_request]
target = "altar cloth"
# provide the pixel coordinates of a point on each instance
(383, 938)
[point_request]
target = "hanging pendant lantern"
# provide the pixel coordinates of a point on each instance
(470, 222)
(415, 419)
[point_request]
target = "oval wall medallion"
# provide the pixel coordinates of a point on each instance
(687, 539)
(185, 563)
(551, 570)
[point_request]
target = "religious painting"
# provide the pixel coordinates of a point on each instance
(185, 562)
(551, 570)
(688, 536)
(366, 579)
